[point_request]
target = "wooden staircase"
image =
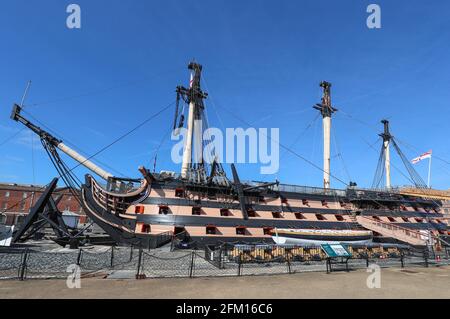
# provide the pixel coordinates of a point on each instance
(388, 230)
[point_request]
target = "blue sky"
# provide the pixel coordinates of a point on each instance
(263, 61)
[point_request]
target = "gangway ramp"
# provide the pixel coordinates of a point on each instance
(406, 235)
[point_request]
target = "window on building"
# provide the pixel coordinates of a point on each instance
(178, 230)
(267, 230)
(252, 213)
(277, 215)
(139, 209)
(241, 230)
(5, 205)
(164, 210)
(339, 218)
(196, 210)
(7, 194)
(419, 220)
(24, 195)
(305, 202)
(211, 230)
(324, 203)
(225, 212)
(2, 219)
(376, 218)
(320, 217)
(391, 219)
(299, 216)
(405, 219)
(20, 219)
(146, 228)
(179, 192)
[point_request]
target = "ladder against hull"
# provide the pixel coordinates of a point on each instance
(388, 230)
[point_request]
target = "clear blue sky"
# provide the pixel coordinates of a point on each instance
(262, 60)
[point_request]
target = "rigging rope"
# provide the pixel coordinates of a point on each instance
(125, 134)
(69, 142)
(379, 173)
(417, 180)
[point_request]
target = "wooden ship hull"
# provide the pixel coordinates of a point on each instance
(155, 214)
(201, 206)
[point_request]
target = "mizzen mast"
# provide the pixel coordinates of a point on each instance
(327, 111)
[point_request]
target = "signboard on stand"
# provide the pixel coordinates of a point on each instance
(335, 250)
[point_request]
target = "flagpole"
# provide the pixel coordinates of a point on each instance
(429, 171)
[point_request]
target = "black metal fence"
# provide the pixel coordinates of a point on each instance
(225, 260)
(35, 264)
(241, 260)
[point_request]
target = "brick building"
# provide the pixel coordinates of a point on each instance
(16, 201)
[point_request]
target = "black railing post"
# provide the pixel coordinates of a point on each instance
(23, 266)
(288, 264)
(402, 259)
(131, 252)
(138, 273)
(191, 268)
(112, 256)
(425, 257)
(240, 264)
(80, 253)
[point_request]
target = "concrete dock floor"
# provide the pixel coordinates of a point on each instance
(395, 283)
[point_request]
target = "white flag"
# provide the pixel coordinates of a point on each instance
(422, 157)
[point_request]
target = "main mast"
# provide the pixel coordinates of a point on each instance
(327, 111)
(194, 136)
(386, 135)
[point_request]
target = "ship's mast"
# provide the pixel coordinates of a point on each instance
(386, 135)
(16, 116)
(194, 136)
(327, 111)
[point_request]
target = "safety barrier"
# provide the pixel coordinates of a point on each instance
(225, 260)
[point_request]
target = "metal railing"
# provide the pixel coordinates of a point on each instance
(226, 260)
